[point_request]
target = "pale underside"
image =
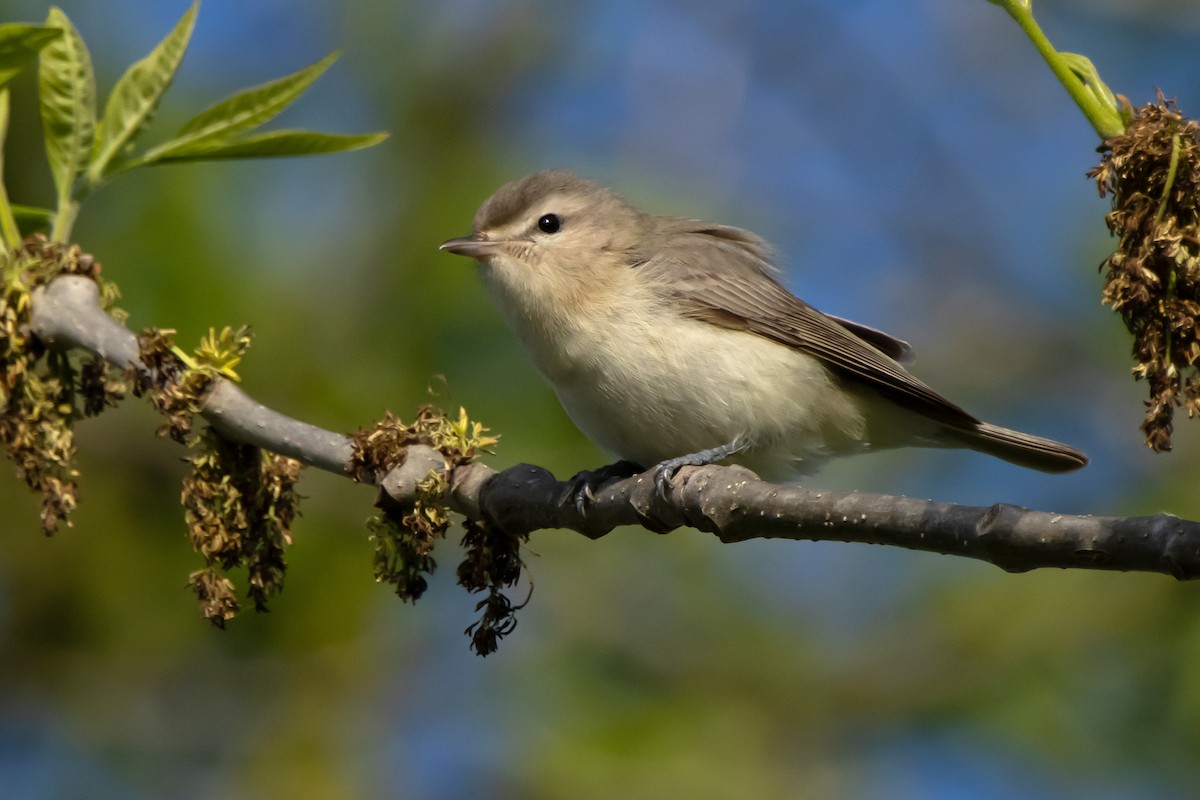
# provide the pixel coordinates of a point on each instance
(690, 385)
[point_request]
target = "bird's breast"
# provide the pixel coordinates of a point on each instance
(655, 386)
(646, 383)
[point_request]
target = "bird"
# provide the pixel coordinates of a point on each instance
(671, 341)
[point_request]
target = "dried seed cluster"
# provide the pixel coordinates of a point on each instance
(239, 501)
(175, 383)
(404, 538)
(492, 563)
(43, 392)
(1152, 171)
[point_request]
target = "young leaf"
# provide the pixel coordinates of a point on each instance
(241, 112)
(272, 145)
(137, 94)
(20, 44)
(67, 91)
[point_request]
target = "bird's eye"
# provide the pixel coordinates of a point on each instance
(550, 223)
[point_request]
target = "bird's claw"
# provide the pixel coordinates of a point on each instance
(581, 489)
(664, 475)
(579, 492)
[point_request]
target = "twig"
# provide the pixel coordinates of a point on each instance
(730, 502)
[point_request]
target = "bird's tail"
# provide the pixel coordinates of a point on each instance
(1021, 449)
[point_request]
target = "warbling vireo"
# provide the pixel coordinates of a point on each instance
(670, 341)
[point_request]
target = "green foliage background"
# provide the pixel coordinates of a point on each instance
(645, 666)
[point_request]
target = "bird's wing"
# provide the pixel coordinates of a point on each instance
(887, 344)
(744, 296)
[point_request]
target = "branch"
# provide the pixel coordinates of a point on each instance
(730, 502)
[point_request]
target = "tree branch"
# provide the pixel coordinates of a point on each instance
(730, 502)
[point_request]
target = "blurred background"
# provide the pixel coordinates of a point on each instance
(919, 170)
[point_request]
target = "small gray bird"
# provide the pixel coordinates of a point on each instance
(670, 342)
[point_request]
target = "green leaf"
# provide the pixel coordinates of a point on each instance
(31, 219)
(241, 112)
(67, 90)
(1086, 71)
(137, 94)
(20, 44)
(10, 234)
(272, 145)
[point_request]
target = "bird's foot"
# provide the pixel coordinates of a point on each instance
(664, 473)
(581, 489)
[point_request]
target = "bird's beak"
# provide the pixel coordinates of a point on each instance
(471, 246)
